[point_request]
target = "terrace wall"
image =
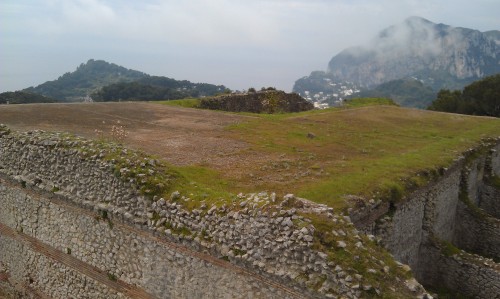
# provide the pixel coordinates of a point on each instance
(460, 209)
(62, 201)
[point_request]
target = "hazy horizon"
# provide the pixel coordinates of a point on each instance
(239, 44)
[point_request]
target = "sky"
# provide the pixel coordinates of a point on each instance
(237, 43)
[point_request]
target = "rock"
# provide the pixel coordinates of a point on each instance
(308, 238)
(224, 250)
(341, 244)
(287, 222)
(406, 268)
(175, 195)
(273, 197)
(322, 255)
(413, 285)
(212, 209)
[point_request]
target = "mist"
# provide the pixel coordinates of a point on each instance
(239, 44)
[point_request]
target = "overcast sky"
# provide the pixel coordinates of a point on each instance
(238, 43)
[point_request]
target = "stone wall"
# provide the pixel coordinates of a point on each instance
(469, 275)
(402, 233)
(63, 192)
(270, 101)
(477, 232)
(459, 208)
(63, 169)
(162, 269)
(490, 200)
(427, 209)
(28, 268)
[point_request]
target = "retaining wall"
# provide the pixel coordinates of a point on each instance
(162, 269)
(460, 208)
(62, 192)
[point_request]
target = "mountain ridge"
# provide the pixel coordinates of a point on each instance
(418, 45)
(438, 55)
(103, 80)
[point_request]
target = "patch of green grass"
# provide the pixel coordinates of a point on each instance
(112, 277)
(361, 102)
(186, 103)
(202, 184)
(373, 151)
(152, 176)
(356, 259)
(449, 249)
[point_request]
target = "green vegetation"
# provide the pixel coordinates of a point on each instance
(358, 253)
(479, 98)
(494, 181)
(377, 152)
(186, 103)
(449, 249)
(110, 82)
(103, 215)
(154, 88)
(84, 80)
(135, 91)
(21, 97)
(362, 102)
(112, 276)
(405, 92)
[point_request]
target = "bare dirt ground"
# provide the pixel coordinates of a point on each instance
(181, 136)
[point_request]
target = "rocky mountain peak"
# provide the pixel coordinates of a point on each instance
(438, 55)
(418, 47)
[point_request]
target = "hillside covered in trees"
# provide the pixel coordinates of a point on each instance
(479, 98)
(408, 92)
(88, 77)
(110, 82)
(21, 97)
(152, 88)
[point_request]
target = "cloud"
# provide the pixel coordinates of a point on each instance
(235, 42)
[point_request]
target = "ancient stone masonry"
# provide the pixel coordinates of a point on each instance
(448, 231)
(270, 101)
(61, 191)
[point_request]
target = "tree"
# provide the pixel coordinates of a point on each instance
(478, 98)
(447, 101)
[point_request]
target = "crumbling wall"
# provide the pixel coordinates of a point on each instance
(61, 191)
(258, 102)
(459, 209)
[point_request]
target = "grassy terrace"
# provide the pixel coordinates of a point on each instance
(370, 148)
